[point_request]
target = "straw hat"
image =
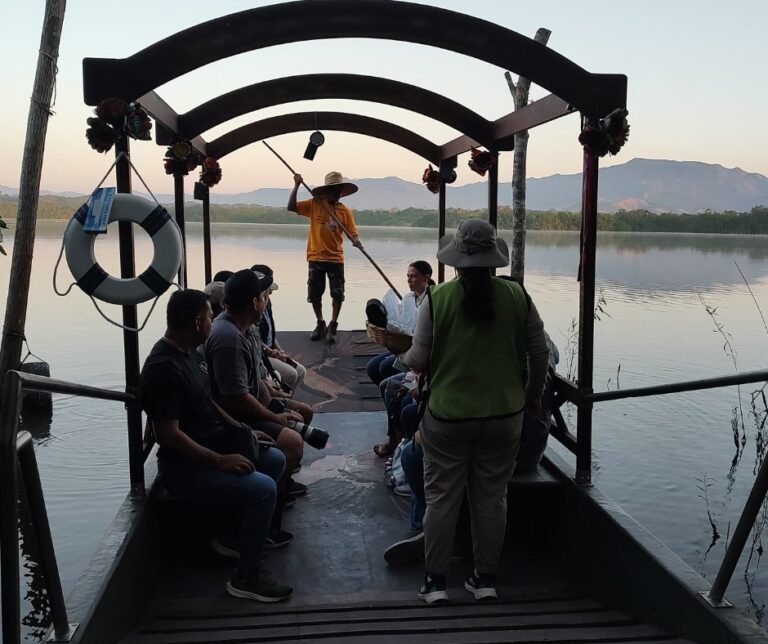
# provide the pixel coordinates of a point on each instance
(335, 180)
(473, 245)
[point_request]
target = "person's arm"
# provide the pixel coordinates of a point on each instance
(297, 181)
(538, 360)
(247, 407)
(170, 436)
(352, 228)
(417, 357)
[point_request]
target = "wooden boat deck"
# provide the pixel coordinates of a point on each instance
(344, 590)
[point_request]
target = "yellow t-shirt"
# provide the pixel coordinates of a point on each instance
(326, 239)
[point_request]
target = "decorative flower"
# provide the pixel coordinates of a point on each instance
(210, 173)
(180, 158)
(432, 178)
(481, 161)
(606, 136)
(114, 119)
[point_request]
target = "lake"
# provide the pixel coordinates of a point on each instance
(652, 455)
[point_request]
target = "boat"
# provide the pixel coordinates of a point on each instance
(576, 568)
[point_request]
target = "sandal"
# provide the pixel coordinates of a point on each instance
(384, 450)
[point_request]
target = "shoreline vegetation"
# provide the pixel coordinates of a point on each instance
(754, 222)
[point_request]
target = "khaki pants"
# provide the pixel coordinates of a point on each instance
(478, 456)
(291, 376)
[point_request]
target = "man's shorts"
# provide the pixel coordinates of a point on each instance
(316, 280)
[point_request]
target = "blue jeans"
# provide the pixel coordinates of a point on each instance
(409, 416)
(381, 367)
(253, 494)
(412, 460)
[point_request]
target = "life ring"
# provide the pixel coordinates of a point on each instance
(154, 281)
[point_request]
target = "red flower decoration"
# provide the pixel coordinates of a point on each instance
(481, 161)
(607, 135)
(210, 173)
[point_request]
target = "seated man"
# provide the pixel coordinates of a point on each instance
(234, 367)
(291, 372)
(200, 444)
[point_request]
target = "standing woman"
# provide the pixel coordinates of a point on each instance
(472, 337)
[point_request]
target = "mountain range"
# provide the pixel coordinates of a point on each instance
(649, 184)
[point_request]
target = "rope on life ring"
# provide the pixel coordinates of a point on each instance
(96, 282)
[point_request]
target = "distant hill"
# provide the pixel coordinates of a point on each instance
(650, 184)
(640, 184)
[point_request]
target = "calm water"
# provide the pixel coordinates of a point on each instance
(650, 454)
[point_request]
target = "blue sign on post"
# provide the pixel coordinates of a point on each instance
(99, 205)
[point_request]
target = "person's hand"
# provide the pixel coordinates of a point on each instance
(298, 180)
(264, 438)
(234, 464)
(286, 419)
(282, 356)
(533, 406)
(296, 415)
(417, 438)
(357, 243)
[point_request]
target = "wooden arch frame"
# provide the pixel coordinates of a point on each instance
(336, 86)
(338, 121)
(593, 94)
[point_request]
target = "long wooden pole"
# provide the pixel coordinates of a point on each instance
(340, 225)
(29, 187)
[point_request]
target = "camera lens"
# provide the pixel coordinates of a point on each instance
(313, 436)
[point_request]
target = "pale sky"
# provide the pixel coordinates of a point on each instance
(696, 69)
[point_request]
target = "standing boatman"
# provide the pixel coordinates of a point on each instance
(325, 245)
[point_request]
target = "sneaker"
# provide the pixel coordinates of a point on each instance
(319, 331)
(277, 539)
(404, 489)
(260, 587)
(289, 502)
(297, 469)
(330, 335)
(407, 551)
(296, 489)
(433, 589)
(482, 586)
(225, 548)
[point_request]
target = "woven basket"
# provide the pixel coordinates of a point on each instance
(397, 343)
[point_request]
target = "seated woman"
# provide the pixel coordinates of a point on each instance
(215, 292)
(291, 372)
(383, 367)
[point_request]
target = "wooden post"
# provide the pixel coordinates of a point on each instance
(130, 320)
(441, 227)
(586, 317)
(493, 192)
(29, 187)
(207, 236)
(520, 92)
(178, 193)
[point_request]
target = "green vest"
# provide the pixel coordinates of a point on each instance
(476, 368)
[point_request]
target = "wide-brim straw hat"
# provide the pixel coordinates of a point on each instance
(335, 180)
(473, 245)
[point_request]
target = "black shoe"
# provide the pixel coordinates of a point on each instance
(433, 589)
(482, 586)
(277, 539)
(296, 489)
(289, 502)
(319, 331)
(260, 587)
(330, 335)
(407, 551)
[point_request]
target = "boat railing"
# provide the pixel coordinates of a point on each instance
(569, 391)
(16, 447)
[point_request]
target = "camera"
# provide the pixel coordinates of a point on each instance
(313, 436)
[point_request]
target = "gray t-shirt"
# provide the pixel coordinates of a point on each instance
(233, 359)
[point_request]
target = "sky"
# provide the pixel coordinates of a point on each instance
(696, 69)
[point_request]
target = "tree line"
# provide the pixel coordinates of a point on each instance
(754, 222)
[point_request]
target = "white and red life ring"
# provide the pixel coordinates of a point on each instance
(154, 281)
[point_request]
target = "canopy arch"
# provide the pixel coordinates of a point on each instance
(190, 49)
(335, 86)
(337, 121)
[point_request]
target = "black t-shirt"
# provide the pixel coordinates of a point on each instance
(175, 386)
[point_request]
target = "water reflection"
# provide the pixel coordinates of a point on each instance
(36, 616)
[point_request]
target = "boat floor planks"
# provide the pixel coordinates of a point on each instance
(345, 592)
